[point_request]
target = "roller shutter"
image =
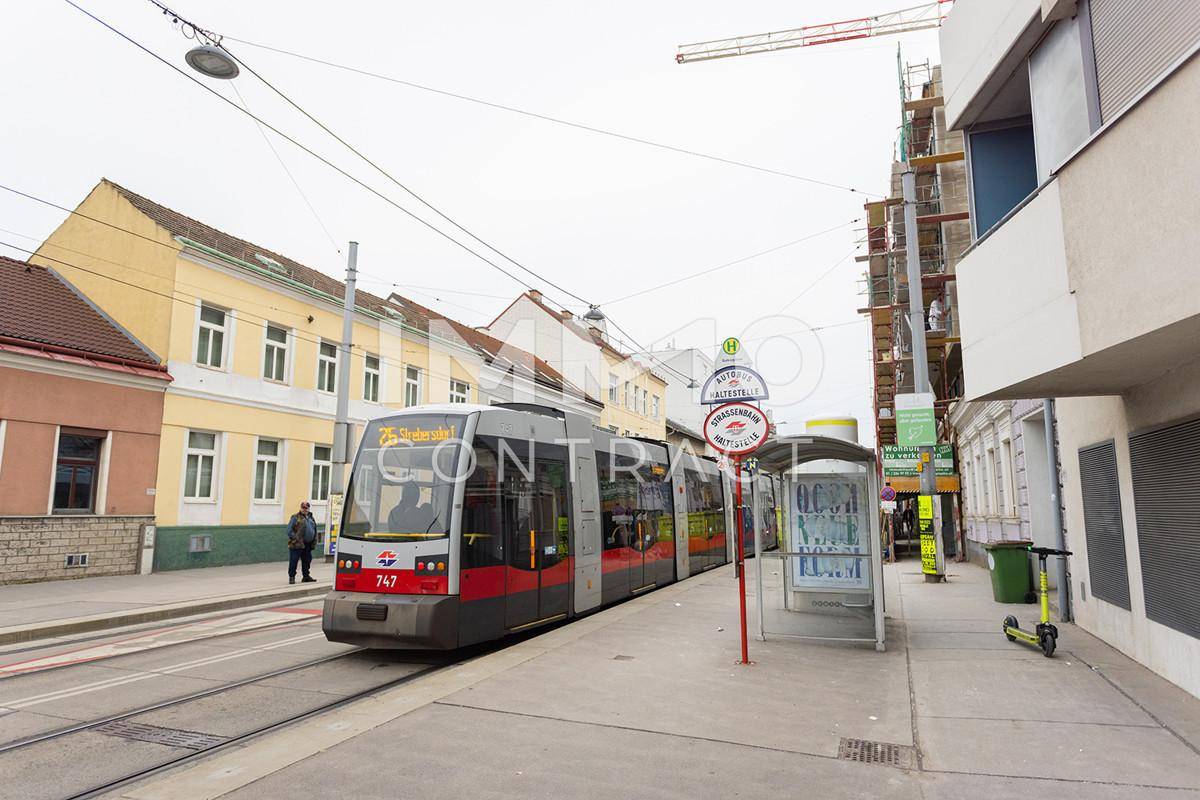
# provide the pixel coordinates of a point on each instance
(1134, 42)
(1107, 570)
(1166, 492)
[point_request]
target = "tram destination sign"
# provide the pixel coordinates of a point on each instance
(736, 429)
(733, 384)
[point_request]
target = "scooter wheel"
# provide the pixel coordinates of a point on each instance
(1010, 622)
(1049, 641)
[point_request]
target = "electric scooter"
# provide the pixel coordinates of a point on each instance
(1045, 635)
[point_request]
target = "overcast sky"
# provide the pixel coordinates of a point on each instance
(601, 217)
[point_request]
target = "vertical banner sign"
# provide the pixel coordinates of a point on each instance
(333, 523)
(829, 512)
(928, 542)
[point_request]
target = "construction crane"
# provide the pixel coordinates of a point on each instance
(917, 18)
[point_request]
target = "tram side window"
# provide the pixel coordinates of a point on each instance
(618, 500)
(655, 506)
(482, 534)
(552, 510)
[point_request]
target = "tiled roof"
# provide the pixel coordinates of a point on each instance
(180, 225)
(495, 352)
(37, 305)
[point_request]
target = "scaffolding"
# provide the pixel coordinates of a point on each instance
(943, 231)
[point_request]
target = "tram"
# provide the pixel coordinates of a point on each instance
(464, 523)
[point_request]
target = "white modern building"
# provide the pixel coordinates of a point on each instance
(1082, 283)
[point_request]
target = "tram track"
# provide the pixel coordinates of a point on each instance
(232, 741)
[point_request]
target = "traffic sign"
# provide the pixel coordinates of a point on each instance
(731, 346)
(887, 494)
(732, 384)
(736, 429)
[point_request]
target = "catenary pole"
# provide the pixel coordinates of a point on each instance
(1064, 589)
(342, 439)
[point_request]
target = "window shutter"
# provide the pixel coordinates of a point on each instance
(1107, 570)
(1134, 42)
(1166, 492)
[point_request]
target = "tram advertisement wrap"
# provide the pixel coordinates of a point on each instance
(829, 512)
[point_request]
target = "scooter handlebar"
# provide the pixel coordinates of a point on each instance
(1048, 551)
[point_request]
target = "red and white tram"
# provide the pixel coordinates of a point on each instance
(464, 523)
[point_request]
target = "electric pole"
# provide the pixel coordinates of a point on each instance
(342, 439)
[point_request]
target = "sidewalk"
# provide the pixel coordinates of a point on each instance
(645, 700)
(55, 608)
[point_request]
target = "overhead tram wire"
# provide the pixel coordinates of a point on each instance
(728, 264)
(190, 301)
(396, 181)
(288, 172)
(298, 144)
(554, 120)
(820, 278)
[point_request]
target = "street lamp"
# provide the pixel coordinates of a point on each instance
(594, 314)
(212, 61)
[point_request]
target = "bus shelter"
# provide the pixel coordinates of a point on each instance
(825, 582)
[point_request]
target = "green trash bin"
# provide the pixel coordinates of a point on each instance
(1008, 563)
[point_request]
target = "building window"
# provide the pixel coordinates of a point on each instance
(612, 388)
(198, 472)
(210, 338)
(627, 401)
(654, 406)
(327, 367)
(321, 469)
(275, 355)
(266, 471)
(76, 472)
(460, 392)
(412, 386)
(371, 379)
(642, 406)
(1010, 473)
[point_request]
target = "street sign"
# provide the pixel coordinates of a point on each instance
(887, 505)
(333, 523)
(736, 429)
(916, 425)
(733, 384)
(731, 346)
(900, 461)
(887, 494)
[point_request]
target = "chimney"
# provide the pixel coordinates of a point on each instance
(534, 294)
(565, 314)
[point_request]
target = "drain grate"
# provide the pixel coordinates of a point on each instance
(865, 751)
(171, 737)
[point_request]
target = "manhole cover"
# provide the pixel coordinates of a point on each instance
(171, 737)
(865, 751)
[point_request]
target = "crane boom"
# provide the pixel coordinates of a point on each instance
(916, 18)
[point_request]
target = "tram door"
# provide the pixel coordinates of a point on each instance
(537, 533)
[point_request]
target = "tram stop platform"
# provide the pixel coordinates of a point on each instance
(645, 700)
(36, 611)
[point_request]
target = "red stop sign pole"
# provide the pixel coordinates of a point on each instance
(738, 429)
(741, 553)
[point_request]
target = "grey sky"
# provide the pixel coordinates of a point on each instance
(600, 216)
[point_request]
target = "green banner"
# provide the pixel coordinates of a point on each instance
(900, 461)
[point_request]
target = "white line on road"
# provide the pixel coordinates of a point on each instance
(122, 680)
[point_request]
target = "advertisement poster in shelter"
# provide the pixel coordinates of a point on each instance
(829, 513)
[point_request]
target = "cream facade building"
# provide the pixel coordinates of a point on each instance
(1081, 284)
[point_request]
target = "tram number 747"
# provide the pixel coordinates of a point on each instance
(385, 581)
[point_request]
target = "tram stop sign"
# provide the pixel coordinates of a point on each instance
(736, 429)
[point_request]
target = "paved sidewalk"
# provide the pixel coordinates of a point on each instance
(39, 610)
(645, 700)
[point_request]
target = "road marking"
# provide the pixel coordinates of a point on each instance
(122, 680)
(162, 637)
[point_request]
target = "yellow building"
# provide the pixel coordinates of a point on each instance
(251, 339)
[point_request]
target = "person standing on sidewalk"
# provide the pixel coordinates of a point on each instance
(302, 535)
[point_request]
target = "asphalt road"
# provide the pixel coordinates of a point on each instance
(47, 689)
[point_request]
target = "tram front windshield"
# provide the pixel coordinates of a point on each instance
(403, 483)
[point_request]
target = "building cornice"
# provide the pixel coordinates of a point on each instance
(64, 369)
